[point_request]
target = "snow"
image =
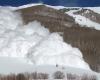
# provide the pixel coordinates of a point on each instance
(35, 44)
(83, 20)
(54, 51)
(22, 7)
(55, 7)
(19, 65)
(35, 4)
(14, 65)
(9, 65)
(95, 9)
(28, 5)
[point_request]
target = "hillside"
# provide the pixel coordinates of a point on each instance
(80, 36)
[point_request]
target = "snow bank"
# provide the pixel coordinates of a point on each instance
(35, 42)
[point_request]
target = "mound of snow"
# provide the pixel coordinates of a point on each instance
(36, 43)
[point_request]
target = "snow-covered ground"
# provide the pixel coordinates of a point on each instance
(18, 65)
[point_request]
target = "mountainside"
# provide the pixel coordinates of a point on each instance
(32, 43)
(44, 38)
(70, 24)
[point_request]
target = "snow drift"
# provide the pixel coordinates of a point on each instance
(35, 43)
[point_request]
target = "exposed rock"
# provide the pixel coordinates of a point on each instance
(89, 14)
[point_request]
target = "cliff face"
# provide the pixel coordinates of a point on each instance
(86, 39)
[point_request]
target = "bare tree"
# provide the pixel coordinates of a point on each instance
(34, 75)
(20, 77)
(43, 76)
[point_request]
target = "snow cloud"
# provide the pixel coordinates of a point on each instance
(34, 42)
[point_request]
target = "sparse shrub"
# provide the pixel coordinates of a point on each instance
(59, 75)
(42, 76)
(89, 77)
(11, 77)
(34, 75)
(72, 77)
(93, 77)
(27, 75)
(85, 77)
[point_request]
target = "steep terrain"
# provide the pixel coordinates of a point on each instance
(89, 14)
(86, 39)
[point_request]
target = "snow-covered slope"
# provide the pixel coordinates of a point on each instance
(83, 21)
(36, 43)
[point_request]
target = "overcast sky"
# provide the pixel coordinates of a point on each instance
(81, 3)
